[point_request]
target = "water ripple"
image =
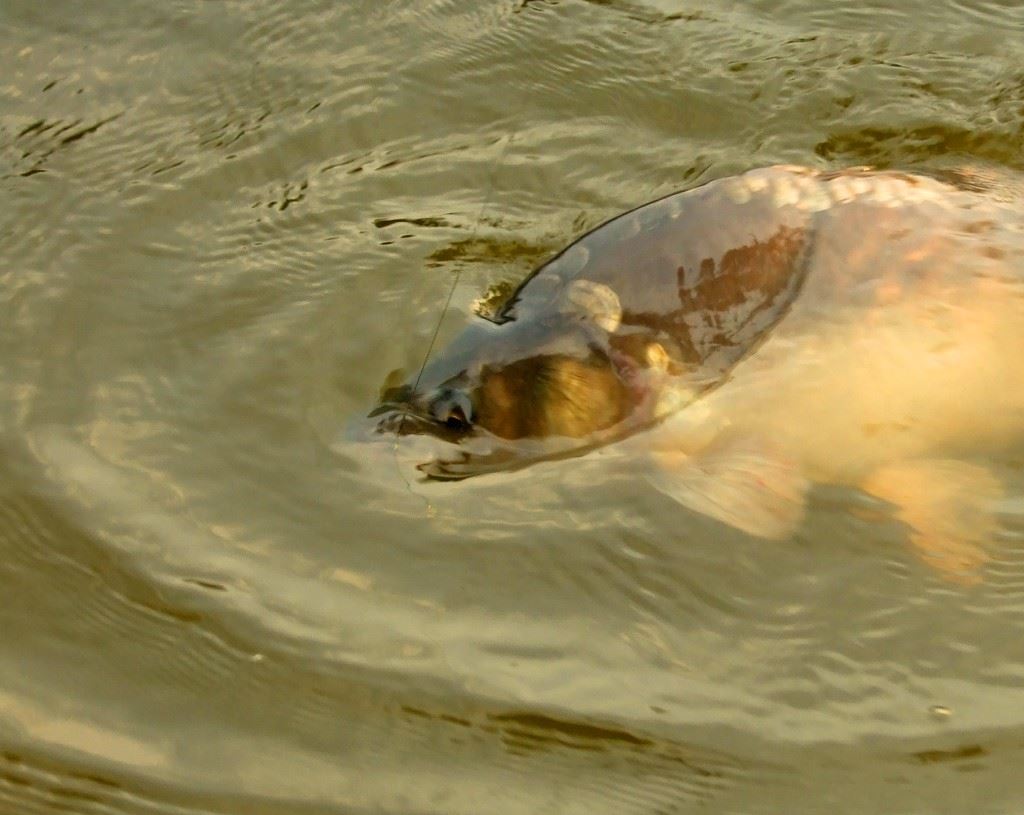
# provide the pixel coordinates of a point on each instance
(225, 223)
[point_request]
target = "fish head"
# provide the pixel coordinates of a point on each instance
(550, 371)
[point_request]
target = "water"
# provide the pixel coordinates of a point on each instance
(224, 224)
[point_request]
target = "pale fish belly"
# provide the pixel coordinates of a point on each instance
(905, 343)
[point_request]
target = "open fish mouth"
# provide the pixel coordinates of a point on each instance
(398, 419)
(403, 419)
(470, 452)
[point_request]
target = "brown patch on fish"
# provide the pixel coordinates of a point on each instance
(764, 266)
(760, 271)
(550, 395)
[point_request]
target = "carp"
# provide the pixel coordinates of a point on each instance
(782, 327)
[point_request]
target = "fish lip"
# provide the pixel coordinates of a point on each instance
(389, 407)
(404, 419)
(397, 418)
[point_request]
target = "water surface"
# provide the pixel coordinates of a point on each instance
(225, 223)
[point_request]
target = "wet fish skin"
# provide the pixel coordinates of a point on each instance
(676, 301)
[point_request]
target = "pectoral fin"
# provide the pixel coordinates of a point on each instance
(743, 486)
(949, 507)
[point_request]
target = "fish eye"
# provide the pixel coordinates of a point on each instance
(453, 409)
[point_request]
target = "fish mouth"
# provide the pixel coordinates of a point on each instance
(389, 407)
(398, 418)
(404, 419)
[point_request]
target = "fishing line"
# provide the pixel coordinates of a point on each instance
(458, 270)
(491, 184)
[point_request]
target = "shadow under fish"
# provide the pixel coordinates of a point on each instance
(734, 297)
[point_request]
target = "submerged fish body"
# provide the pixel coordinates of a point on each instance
(624, 326)
(843, 322)
(905, 342)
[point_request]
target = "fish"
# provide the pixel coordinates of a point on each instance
(767, 331)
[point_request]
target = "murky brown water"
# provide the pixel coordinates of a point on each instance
(225, 223)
